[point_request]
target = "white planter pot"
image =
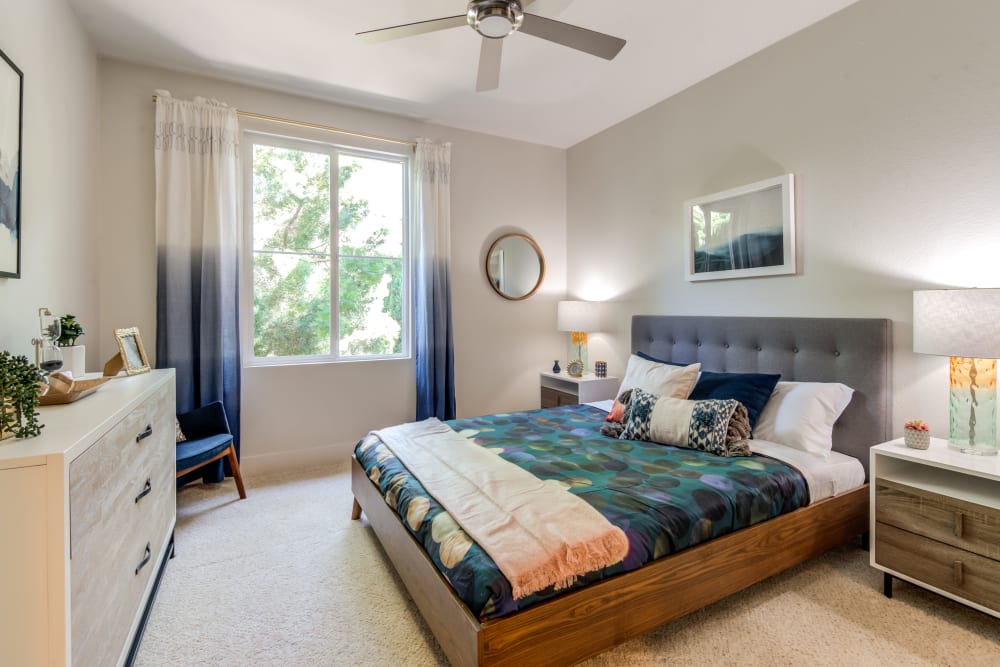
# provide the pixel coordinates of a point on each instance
(74, 359)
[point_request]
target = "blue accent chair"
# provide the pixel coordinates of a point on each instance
(208, 439)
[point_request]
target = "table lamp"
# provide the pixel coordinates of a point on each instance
(579, 317)
(964, 324)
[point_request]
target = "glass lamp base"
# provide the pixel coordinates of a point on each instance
(973, 406)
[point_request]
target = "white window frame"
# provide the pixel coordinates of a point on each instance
(302, 141)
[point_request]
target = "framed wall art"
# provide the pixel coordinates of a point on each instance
(11, 104)
(742, 233)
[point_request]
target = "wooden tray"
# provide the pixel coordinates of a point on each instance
(64, 389)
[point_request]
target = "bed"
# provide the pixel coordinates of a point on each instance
(574, 625)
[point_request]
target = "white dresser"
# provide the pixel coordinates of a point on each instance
(87, 514)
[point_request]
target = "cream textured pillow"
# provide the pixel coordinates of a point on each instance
(659, 379)
(802, 415)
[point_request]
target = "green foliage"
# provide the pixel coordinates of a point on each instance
(292, 281)
(18, 396)
(71, 330)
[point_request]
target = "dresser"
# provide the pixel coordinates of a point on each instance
(936, 521)
(561, 389)
(87, 513)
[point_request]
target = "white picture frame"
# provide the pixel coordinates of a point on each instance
(744, 232)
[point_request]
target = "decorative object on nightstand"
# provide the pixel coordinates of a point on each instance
(916, 434)
(555, 366)
(579, 318)
(935, 521)
(601, 369)
(575, 368)
(962, 324)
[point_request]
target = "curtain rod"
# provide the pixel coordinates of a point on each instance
(317, 126)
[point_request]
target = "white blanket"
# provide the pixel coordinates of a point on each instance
(538, 533)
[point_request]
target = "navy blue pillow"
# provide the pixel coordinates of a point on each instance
(751, 389)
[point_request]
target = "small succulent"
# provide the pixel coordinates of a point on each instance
(71, 330)
(917, 425)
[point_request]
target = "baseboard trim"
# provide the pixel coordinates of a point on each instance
(297, 459)
(133, 650)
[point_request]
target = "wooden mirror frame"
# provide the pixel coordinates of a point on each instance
(541, 265)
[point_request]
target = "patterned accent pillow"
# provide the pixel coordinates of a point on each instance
(716, 426)
(178, 433)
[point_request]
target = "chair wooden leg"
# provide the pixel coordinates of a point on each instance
(356, 510)
(235, 465)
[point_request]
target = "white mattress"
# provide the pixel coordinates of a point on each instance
(824, 477)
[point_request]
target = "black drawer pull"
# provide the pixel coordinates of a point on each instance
(145, 434)
(145, 558)
(145, 491)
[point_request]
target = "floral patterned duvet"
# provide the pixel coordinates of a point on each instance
(664, 498)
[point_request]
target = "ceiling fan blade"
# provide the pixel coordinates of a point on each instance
(489, 65)
(575, 37)
(410, 29)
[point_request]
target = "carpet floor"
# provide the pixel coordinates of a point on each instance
(286, 578)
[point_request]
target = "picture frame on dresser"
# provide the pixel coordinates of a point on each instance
(11, 120)
(131, 355)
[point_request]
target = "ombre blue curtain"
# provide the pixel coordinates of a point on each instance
(197, 244)
(433, 344)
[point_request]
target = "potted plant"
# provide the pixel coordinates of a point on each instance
(19, 391)
(917, 434)
(74, 356)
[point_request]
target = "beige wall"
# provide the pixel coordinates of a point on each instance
(293, 415)
(887, 114)
(59, 234)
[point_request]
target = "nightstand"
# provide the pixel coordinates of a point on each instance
(935, 521)
(561, 389)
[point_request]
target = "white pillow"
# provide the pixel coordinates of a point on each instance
(659, 379)
(802, 414)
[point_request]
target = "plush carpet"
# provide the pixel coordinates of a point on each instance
(286, 578)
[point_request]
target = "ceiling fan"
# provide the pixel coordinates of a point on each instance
(496, 19)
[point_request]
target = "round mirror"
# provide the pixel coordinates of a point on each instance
(515, 266)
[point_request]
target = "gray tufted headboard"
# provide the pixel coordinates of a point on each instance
(857, 352)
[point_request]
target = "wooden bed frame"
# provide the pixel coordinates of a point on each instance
(581, 623)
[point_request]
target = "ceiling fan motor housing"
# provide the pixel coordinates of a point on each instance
(495, 19)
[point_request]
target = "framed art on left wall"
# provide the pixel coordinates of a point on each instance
(11, 105)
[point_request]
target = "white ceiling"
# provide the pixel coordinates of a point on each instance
(548, 94)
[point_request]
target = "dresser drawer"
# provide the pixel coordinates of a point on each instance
(121, 492)
(948, 568)
(960, 523)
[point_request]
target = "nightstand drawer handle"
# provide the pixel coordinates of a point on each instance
(145, 491)
(959, 524)
(145, 558)
(957, 573)
(145, 434)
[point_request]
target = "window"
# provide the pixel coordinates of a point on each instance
(327, 271)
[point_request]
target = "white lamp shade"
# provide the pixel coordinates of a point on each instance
(579, 316)
(957, 322)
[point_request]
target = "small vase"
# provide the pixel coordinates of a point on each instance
(555, 367)
(75, 360)
(916, 439)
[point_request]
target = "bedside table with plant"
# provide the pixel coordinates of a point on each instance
(935, 519)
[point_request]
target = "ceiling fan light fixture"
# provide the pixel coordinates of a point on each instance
(495, 19)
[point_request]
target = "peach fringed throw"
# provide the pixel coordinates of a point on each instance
(537, 533)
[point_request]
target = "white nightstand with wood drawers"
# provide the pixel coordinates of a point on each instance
(935, 521)
(562, 389)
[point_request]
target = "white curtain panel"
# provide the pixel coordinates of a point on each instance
(433, 345)
(197, 238)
